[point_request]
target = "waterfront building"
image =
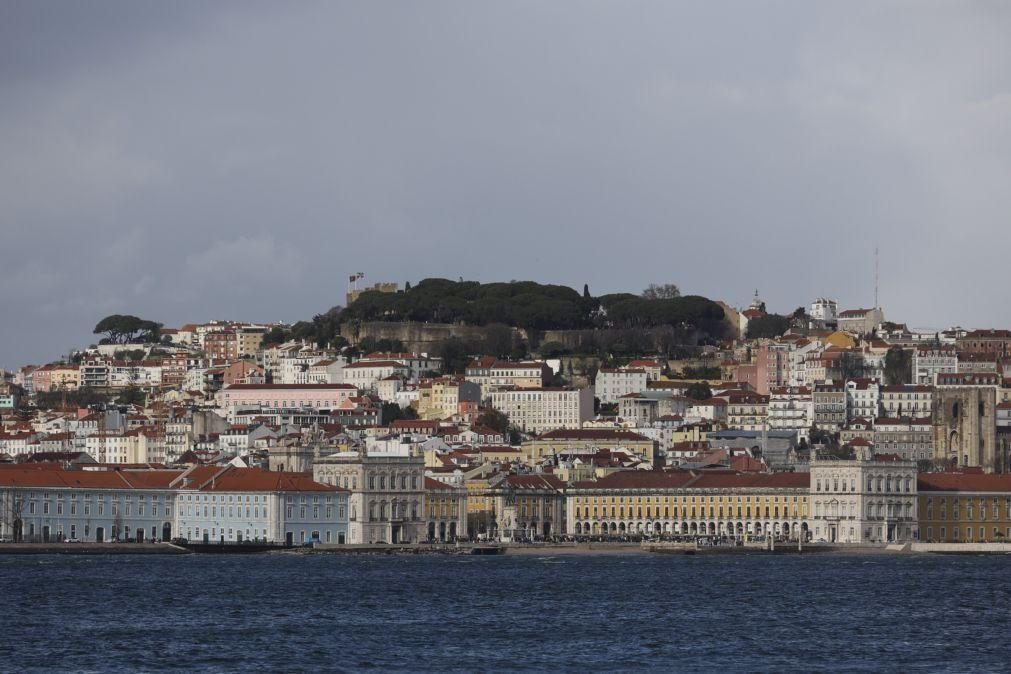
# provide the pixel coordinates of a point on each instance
(868, 499)
(204, 503)
(965, 507)
(528, 507)
(42, 504)
(387, 493)
(445, 511)
(677, 503)
(231, 505)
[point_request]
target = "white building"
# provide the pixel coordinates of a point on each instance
(824, 310)
(869, 499)
(860, 321)
(613, 383)
(242, 504)
(387, 494)
(929, 361)
(536, 410)
(862, 398)
(418, 364)
(365, 375)
(791, 409)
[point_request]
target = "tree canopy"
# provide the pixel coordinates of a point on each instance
(532, 306)
(769, 325)
(661, 291)
(898, 366)
(126, 329)
(699, 391)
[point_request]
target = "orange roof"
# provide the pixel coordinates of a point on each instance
(989, 482)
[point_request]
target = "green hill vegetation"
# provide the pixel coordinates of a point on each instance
(530, 305)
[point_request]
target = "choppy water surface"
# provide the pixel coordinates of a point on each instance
(309, 613)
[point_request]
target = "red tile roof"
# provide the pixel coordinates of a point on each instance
(964, 481)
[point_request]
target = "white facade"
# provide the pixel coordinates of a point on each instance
(863, 500)
(825, 310)
(612, 384)
(365, 375)
(791, 409)
(862, 398)
(538, 410)
(928, 362)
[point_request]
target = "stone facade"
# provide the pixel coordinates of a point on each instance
(387, 501)
(865, 500)
(965, 427)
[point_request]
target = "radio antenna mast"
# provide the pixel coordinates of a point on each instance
(876, 304)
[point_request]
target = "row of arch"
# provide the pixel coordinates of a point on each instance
(702, 528)
(442, 532)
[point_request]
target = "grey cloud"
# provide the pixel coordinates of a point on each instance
(184, 161)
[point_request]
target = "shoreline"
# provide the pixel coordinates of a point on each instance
(513, 549)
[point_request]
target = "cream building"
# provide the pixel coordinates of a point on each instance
(613, 383)
(536, 410)
(869, 499)
(387, 494)
(365, 375)
(679, 503)
(492, 374)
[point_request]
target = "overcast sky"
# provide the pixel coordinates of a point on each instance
(189, 161)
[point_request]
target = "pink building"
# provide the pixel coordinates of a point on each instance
(285, 396)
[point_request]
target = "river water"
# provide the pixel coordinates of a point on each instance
(293, 613)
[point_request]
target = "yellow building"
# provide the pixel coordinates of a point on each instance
(445, 511)
(65, 377)
(529, 507)
(843, 340)
(480, 501)
(670, 503)
(964, 507)
(441, 398)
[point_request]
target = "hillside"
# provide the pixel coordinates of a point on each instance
(532, 306)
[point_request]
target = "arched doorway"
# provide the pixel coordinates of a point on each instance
(442, 531)
(166, 531)
(45, 534)
(452, 531)
(431, 531)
